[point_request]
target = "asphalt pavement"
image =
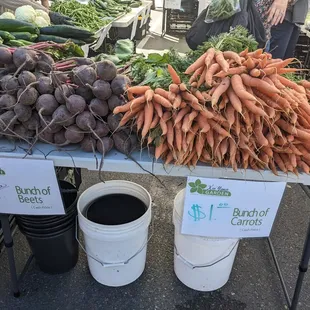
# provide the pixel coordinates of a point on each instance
(253, 284)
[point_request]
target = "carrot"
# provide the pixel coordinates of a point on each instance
(186, 124)
(210, 72)
(268, 71)
(232, 55)
(209, 57)
(138, 90)
(237, 126)
(192, 115)
(206, 96)
(155, 121)
(305, 84)
(234, 100)
(267, 150)
(270, 139)
(177, 102)
(169, 158)
(140, 120)
(163, 123)
(261, 85)
(275, 80)
(159, 150)
(161, 92)
(199, 144)
(253, 108)
(193, 101)
(263, 61)
(178, 137)
(198, 95)
(194, 77)
(158, 108)
(198, 63)
(205, 155)
(122, 108)
(137, 102)
(130, 96)
(162, 101)
(303, 166)
(171, 97)
(224, 147)
(260, 139)
(222, 88)
(174, 88)
(210, 139)
(286, 127)
(191, 134)
(221, 61)
(183, 105)
(202, 77)
(249, 63)
(149, 95)
(291, 84)
(148, 117)
(170, 133)
(203, 123)
(293, 160)
(239, 88)
(286, 162)
(290, 70)
(183, 87)
(230, 114)
(181, 114)
(129, 115)
(218, 128)
(256, 54)
(281, 64)
(244, 52)
(231, 71)
(174, 76)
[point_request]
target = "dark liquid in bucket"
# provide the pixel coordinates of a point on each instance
(115, 209)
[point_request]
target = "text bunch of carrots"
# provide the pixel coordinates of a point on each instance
(238, 111)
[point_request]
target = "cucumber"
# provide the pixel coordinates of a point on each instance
(24, 36)
(66, 31)
(56, 39)
(14, 25)
(16, 43)
(6, 36)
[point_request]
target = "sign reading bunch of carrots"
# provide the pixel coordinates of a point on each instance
(236, 111)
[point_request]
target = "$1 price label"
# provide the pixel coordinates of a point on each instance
(230, 209)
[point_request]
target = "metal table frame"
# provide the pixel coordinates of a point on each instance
(117, 162)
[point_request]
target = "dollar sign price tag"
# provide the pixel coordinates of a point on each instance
(229, 208)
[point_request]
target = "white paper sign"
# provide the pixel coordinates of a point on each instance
(229, 208)
(29, 187)
(173, 4)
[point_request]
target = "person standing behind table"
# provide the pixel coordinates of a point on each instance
(272, 12)
(284, 36)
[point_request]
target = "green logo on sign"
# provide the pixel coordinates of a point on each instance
(209, 190)
(2, 172)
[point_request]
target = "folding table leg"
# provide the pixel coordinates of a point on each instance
(8, 243)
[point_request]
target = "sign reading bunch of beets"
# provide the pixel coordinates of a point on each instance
(61, 103)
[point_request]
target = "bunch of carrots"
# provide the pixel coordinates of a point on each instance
(238, 110)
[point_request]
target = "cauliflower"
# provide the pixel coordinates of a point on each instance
(26, 13)
(43, 14)
(41, 22)
(7, 15)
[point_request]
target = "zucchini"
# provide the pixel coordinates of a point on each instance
(14, 25)
(24, 36)
(66, 31)
(6, 36)
(56, 39)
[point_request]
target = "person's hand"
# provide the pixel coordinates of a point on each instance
(276, 12)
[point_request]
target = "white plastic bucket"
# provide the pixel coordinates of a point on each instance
(116, 253)
(203, 264)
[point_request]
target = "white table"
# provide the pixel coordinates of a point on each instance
(116, 162)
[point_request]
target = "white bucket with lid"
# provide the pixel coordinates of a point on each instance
(203, 264)
(116, 253)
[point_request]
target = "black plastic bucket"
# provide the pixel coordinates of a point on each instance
(52, 238)
(55, 253)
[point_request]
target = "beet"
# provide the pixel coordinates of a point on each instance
(6, 57)
(25, 59)
(115, 101)
(46, 136)
(11, 68)
(53, 128)
(83, 75)
(45, 85)
(59, 77)
(10, 84)
(23, 112)
(60, 138)
(75, 104)
(33, 123)
(7, 118)
(99, 107)
(122, 142)
(119, 84)
(88, 144)
(113, 122)
(27, 96)
(74, 134)
(38, 74)
(102, 129)
(62, 116)
(45, 63)
(85, 92)
(26, 78)
(85, 121)
(101, 90)
(23, 132)
(106, 70)
(62, 92)
(104, 145)
(46, 104)
(7, 101)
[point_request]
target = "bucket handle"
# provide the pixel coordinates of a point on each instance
(192, 266)
(106, 265)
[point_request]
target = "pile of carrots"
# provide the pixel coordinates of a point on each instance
(238, 111)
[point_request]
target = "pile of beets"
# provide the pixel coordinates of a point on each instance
(62, 103)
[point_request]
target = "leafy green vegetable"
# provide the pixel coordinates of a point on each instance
(222, 9)
(124, 49)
